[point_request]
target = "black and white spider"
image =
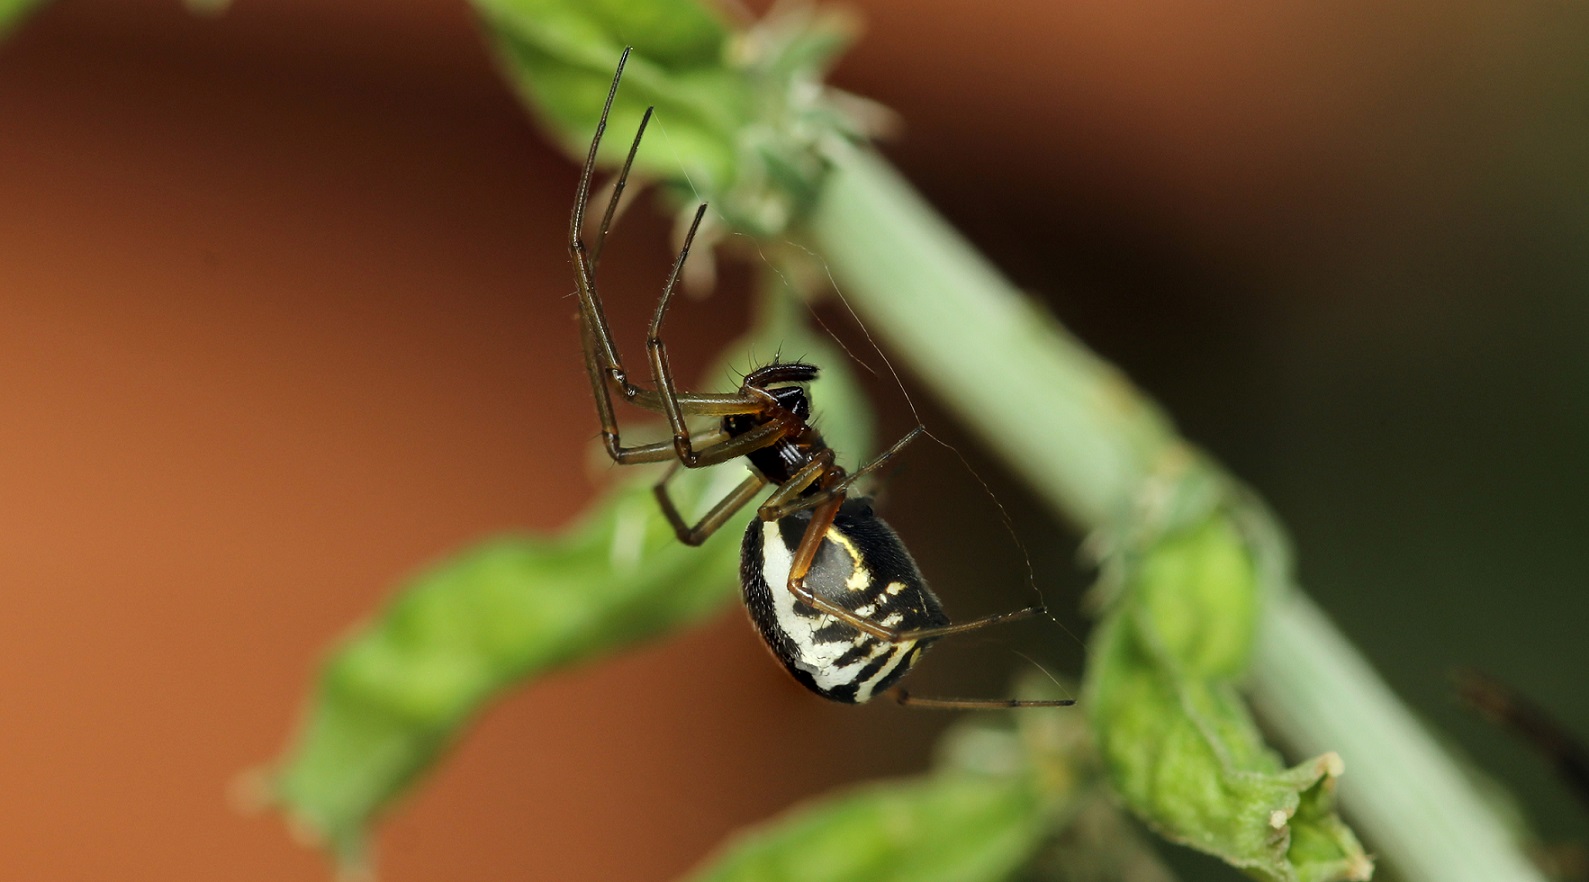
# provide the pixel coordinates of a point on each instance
(829, 585)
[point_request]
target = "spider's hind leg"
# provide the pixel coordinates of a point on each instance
(922, 701)
(805, 555)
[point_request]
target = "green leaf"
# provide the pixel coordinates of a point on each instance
(13, 11)
(1003, 783)
(738, 113)
(1176, 738)
(950, 827)
(401, 689)
(561, 57)
(405, 685)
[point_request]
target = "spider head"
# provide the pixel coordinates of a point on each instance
(777, 380)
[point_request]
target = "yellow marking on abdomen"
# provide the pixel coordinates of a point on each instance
(860, 577)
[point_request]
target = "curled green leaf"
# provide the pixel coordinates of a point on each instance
(1176, 738)
(398, 692)
(403, 687)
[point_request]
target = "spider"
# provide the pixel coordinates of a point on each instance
(830, 586)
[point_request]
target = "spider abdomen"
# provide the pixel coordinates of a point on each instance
(861, 566)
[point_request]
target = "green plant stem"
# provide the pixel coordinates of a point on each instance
(1089, 442)
(1073, 422)
(1315, 689)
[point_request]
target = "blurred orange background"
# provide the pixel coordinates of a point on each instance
(282, 319)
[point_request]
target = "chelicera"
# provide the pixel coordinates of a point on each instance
(830, 586)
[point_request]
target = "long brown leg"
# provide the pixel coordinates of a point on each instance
(594, 313)
(584, 267)
(602, 353)
(785, 500)
(610, 439)
(882, 459)
(713, 519)
(661, 368)
(661, 451)
(922, 701)
(782, 504)
(618, 187)
(603, 363)
(753, 440)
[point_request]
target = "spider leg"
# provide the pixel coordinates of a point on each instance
(882, 459)
(717, 453)
(905, 698)
(595, 318)
(781, 504)
(810, 541)
(662, 451)
(610, 439)
(618, 184)
(786, 499)
(661, 368)
(713, 519)
(602, 361)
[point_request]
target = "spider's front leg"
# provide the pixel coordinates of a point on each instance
(662, 368)
(602, 360)
(787, 500)
(687, 403)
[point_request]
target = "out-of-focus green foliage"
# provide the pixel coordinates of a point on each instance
(561, 56)
(739, 110)
(945, 828)
(1183, 591)
(401, 688)
(398, 691)
(1004, 784)
(13, 11)
(1098, 843)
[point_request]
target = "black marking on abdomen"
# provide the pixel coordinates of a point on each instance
(855, 654)
(870, 670)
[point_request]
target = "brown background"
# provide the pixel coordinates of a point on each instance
(281, 320)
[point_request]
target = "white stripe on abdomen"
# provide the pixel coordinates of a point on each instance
(818, 658)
